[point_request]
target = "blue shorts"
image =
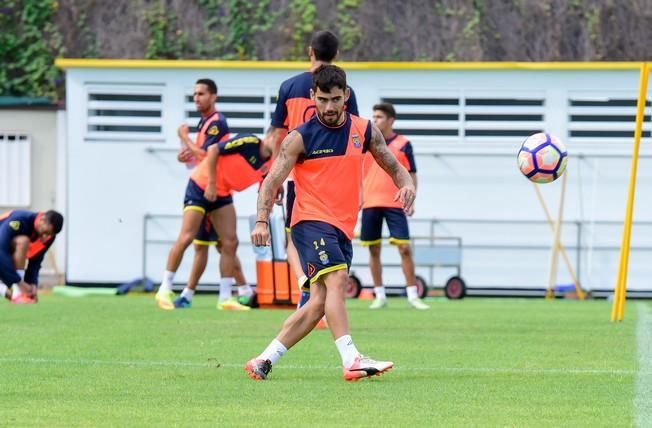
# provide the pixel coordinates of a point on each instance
(195, 200)
(289, 204)
(322, 248)
(372, 226)
(206, 234)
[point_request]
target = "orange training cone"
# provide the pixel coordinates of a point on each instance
(366, 294)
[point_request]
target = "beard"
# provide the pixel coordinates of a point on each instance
(330, 118)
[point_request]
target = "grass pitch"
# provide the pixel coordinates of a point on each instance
(120, 361)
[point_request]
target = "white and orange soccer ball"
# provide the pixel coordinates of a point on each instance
(542, 158)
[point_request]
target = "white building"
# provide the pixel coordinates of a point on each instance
(466, 122)
(30, 166)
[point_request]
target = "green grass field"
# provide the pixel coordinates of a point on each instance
(120, 361)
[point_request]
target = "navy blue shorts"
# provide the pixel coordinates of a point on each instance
(372, 226)
(195, 200)
(289, 204)
(206, 234)
(322, 248)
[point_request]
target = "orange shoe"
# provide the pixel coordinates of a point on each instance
(365, 367)
(23, 299)
(322, 324)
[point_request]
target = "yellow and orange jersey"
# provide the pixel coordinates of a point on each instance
(21, 223)
(329, 174)
(240, 164)
(210, 129)
(378, 188)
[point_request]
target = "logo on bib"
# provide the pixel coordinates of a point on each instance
(356, 141)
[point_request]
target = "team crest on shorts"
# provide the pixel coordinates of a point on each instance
(213, 130)
(323, 257)
(15, 225)
(356, 141)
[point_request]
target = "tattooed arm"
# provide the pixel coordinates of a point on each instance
(291, 148)
(386, 160)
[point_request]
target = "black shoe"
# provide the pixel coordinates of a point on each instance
(251, 301)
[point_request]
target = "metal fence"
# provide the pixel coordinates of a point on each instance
(480, 242)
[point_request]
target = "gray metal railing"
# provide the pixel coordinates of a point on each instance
(438, 231)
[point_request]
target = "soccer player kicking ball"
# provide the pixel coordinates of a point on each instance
(378, 204)
(294, 108)
(326, 153)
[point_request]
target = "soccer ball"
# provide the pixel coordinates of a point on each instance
(542, 158)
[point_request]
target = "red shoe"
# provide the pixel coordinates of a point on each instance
(365, 367)
(258, 369)
(23, 299)
(322, 324)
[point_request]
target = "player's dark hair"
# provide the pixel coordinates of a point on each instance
(55, 219)
(327, 77)
(386, 108)
(210, 84)
(324, 44)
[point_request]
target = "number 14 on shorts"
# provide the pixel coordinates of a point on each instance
(321, 243)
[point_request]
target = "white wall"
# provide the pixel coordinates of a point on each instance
(113, 184)
(41, 125)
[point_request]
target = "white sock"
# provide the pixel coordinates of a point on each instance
(21, 273)
(245, 290)
(273, 352)
(380, 292)
(226, 288)
(412, 292)
(347, 350)
(188, 293)
(166, 283)
(16, 291)
(3, 289)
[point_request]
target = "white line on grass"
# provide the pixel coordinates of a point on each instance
(213, 363)
(643, 389)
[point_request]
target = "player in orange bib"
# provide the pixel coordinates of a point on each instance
(231, 165)
(326, 153)
(212, 129)
(25, 237)
(294, 108)
(378, 204)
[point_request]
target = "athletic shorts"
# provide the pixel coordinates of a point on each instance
(289, 204)
(206, 234)
(372, 226)
(195, 200)
(322, 248)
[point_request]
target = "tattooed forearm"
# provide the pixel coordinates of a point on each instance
(278, 173)
(386, 160)
(265, 202)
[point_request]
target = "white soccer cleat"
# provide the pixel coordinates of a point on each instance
(418, 304)
(378, 304)
(365, 367)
